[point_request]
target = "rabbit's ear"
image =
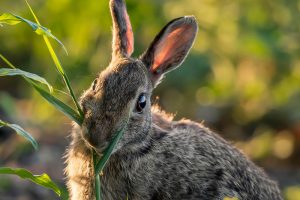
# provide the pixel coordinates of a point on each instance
(170, 47)
(122, 31)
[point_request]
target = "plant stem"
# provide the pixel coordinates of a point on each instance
(57, 63)
(98, 187)
(62, 72)
(68, 111)
(97, 178)
(7, 62)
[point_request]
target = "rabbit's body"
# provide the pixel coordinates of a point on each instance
(157, 158)
(179, 160)
(184, 160)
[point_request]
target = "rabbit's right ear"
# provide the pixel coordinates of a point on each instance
(122, 31)
(170, 47)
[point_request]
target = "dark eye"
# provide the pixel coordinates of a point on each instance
(94, 84)
(141, 103)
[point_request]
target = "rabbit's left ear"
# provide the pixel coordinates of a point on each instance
(170, 47)
(122, 31)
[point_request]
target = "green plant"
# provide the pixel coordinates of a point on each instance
(19, 130)
(39, 84)
(43, 180)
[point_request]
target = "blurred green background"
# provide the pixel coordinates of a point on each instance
(242, 78)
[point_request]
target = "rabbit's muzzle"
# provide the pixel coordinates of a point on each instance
(97, 133)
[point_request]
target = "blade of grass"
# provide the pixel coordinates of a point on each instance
(12, 19)
(20, 131)
(67, 110)
(57, 62)
(98, 187)
(34, 77)
(7, 18)
(56, 91)
(97, 178)
(43, 179)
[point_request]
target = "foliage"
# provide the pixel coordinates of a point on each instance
(43, 180)
(34, 77)
(34, 80)
(21, 132)
(12, 19)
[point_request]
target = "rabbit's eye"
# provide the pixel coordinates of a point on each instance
(141, 103)
(94, 84)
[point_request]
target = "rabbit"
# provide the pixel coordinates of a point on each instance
(157, 158)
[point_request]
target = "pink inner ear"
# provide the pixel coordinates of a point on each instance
(129, 33)
(171, 43)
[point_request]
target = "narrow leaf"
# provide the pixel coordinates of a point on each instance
(43, 179)
(41, 30)
(7, 18)
(2, 123)
(12, 19)
(19, 130)
(34, 77)
(67, 110)
(57, 64)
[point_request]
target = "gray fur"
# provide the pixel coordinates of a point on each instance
(157, 158)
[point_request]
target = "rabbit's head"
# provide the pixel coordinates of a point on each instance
(122, 91)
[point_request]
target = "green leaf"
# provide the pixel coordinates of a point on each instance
(19, 130)
(67, 110)
(11, 19)
(43, 180)
(34, 77)
(58, 64)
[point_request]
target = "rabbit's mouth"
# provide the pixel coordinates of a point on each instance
(91, 140)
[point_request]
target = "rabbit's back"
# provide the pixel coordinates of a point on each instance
(185, 160)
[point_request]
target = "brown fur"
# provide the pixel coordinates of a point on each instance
(157, 158)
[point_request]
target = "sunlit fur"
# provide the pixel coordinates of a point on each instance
(157, 158)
